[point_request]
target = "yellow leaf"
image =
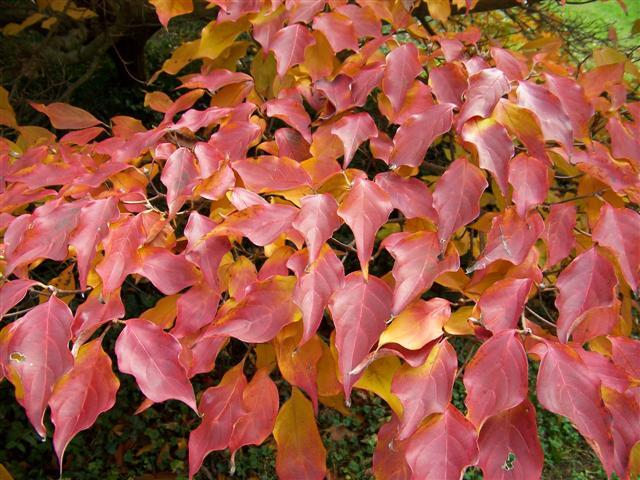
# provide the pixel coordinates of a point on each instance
(263, 71)
(377, 379)
(217, 37)
(7, 115)
(158, 101)
(167, 9)
(439, 9)
(13, 28)
(4, 473)
(265, 356)
(319, 59)
(164, 312)
(64, 281)
(459, 324)
(301, 453)
(180, 57)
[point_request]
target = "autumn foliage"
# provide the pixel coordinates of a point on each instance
(346, 195)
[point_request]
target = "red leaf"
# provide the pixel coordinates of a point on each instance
(43, 234)
(558, 234)
(353, 130)
(12, 293)
(365, 209)
(388, 458)
(494, 147)
(266, 308)
(619, 230)
(92, 229)
(205, 251)
(179, 175)
(66, 117)
(503, 302)
(625, 413)
(196, 308)
(554, 122)
(449, 81)
(565, 387)
(426, 389)
(121, 252)
(261, 401)
(417, 133)
(82, 394)
(288, 46)
(339, 30)
(403, 66)
(409, 195)
(360, 309)
(510, 238)
(589, 282)
(625, 352)
(417, 265)
(316, 283)
(529, 177)
(574, 102)
(151, 355)
(262, 224)
(35, 354)
(268, 174)
(221, 407)
(443, 447)
(456, 198)
(168, 272)
(316, 221)
(290, 110)
(509, 445)
(496, 377)
(485, 89)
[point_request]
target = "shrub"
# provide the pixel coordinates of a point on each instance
(340, 209)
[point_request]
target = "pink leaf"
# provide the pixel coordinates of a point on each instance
(456, 197)
(426, 389)
(314, 287)
(509, 445)
(82, 394)
(565, 387)
(221, 407)
(510, 238)
(365, 209)
(558, 233)
(619, 230)
(92, 229)
(503, 302)
(529, 177)
(417, 265)
(589, 282)
(12, 293)
(66, 117)
(316, 221)
(485, 89)
(290, 110)
(494, 147)
(496, 377)
(35, 354)
(339, 30)
(353, 130)
(403, 66)
(151, 355)
(443, 447)
(288, 46)
(417, 133)
(268, 174)
(360, 309)
(168, 272)
(179, 175)
(409, 195)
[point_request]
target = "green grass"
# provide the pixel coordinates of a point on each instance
(607, 12)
